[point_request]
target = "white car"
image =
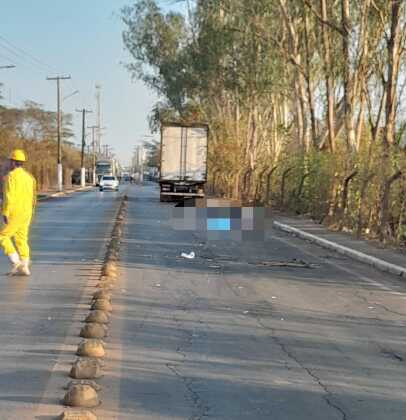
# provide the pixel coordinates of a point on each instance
(108, 182)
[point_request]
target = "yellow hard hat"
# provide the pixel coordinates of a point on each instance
(18, 155)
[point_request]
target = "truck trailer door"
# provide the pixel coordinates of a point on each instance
(196, 154)
(171, 154)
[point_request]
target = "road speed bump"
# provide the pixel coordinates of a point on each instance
(108, 278)
(89, 382)
(106, 285)
(93, 330)
(77, 415)
(101, 317)
(117, 231)
(112, 256)
(91, 347)
(102, 294)
(110, 269)
(102, 304)
(86, 368)
(115, 243)
(81, 396)
(82, 391)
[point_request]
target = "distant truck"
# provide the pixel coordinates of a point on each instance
(183, 160)
(105, 167)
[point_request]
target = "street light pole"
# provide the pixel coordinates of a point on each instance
(59, 124)
(93, 128)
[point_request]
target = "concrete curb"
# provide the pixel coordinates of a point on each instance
(349, 252)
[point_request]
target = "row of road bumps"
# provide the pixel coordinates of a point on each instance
(82, 390)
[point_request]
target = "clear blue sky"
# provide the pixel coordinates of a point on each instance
(82, 39)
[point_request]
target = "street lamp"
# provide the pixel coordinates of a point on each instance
(71, 94)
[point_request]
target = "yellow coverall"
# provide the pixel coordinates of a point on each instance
(19, 200)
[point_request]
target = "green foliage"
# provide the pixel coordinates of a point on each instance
(153, 152)
(257, 72)
(34, 129)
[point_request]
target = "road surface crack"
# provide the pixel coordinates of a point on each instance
(201, 407)
(378, 305)
(392, 354)
(328, 395)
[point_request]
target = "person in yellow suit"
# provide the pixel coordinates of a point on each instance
(19, 200)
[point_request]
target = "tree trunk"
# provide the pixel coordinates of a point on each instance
(309, 84)
(348, 80)
(363, 191)
(282, 194)
(394, 54)
(344, 197)
(329, 78)
(268, 183)
(384, 208)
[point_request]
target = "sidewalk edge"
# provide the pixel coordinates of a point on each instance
(349, 252)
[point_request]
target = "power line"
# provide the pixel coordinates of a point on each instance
(24, 53)
(19, 57)
(19, 62)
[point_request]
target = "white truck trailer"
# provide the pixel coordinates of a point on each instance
(183, 161)
(105, 167)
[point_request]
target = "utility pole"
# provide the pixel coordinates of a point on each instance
(106, 148)
(84, 111)
(98, 120)
(93, 128)
(58, 125)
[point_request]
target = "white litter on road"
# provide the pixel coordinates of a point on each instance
(188, 256)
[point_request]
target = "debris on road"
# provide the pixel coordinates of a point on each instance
(291, 263)
(189, 256)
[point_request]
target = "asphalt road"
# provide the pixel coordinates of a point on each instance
(232, 335)
(274, 329)
(37, 314)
